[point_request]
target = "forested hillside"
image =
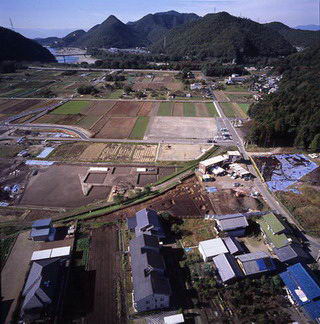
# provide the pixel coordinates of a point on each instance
(296, 37)
(223, 35)
(15, 47)
(292, 115)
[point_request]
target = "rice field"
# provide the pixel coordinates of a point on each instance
(71, 107)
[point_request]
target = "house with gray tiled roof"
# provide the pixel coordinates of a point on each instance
(43, 289)
(151, 287)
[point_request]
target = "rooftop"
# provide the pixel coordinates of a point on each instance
(227, 267)
(214, 160)
(301, 283)
(42, 223)
(213, 247)
(290, 252)
(230, 223)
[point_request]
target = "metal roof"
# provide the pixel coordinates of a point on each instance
(290, 252)
(174, 319)
(233, 223)
(132, 222)
(61, 251)
(313, 310)
(252, 256)
(227, 267)
(148, 218)
(42, 222)
(301, 283)
(214, 160)
(273, 222)
(232, 244)
(258, 266)
(213, 247)
(39, 255)
(147, 268)
(35, 232)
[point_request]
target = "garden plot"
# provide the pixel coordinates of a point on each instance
(92, 152)
(182, 127)
(284, 170)
(181, 152)
(144, 153)
(13, 107)
(98, 108)
(110, 152)
(125, 152)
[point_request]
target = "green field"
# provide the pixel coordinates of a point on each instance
(165, 109)
(71, 107)
(88, 121)
(244, 107)
(189, 109)
(236, 88)
(228, 109)
(115, 94)
(212, 110)
(139, 128)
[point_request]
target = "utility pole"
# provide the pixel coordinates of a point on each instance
(11, 24)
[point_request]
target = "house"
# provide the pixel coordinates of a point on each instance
(146, 221)
(233, 245)
(210, 248)
(274, 231)
(240, 171)
(255, 263)
(227, 267)
(303, 290)
(219, 160)
(151, 287)
(42, 230)
(174, 319)
(292, 253)
(233, 224)
(44, 289)
(234, 156)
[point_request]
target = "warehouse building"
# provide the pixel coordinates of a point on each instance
(42, 230)
(227, 267)
(232, 224)
(255, 263)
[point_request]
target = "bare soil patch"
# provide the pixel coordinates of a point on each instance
(201, 110)
(178, 109)
(125, 109)
(117, 127)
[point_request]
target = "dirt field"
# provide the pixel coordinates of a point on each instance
(178, 109)
(18, 106)
(59, 186)
(182, 127)
(221, 97)
(104, 261)
(92, 152)
(117, 127)
(144, 153)
(181, 152)
(125, 109)
(147, 108)
(201, 110)
(98, 108)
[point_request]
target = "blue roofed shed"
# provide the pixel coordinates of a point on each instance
(42, 223)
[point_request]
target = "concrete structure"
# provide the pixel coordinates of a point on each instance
(227, 267)
(255, 263)
(233, 224)
(303, 290)
(151, 287)
(210, 248)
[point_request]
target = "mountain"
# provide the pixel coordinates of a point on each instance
(291, 116)
(111, 33)
(48, 41)
(296, 37)
(223, 35)
(72, 37)
(153, 27)
(308, 27)
(15, 47)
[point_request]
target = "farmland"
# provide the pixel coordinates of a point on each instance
(186, 109)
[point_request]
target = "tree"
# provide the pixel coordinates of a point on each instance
(87, 89)
(315, 144)
(127, 89)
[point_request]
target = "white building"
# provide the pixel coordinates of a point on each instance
(215, 161)
(210, 248)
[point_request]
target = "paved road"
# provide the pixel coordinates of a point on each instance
(262, 187)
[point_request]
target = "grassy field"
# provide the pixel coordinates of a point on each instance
(139, 128)
(115, 94)
(189, 110)
(88, 121)
(244, 107)
(165, 109)
(71, 107)
(236, 88)
(212, 110)
(9, 151)
(228, 109)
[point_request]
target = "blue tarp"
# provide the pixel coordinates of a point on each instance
(292, 167)
(262, 265)
(313, 310)
(45, 152)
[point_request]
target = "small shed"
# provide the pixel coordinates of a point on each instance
(174, 319)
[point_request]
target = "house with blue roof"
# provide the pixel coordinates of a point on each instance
(303, 290)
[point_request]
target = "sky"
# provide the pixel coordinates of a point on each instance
(43, 18)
